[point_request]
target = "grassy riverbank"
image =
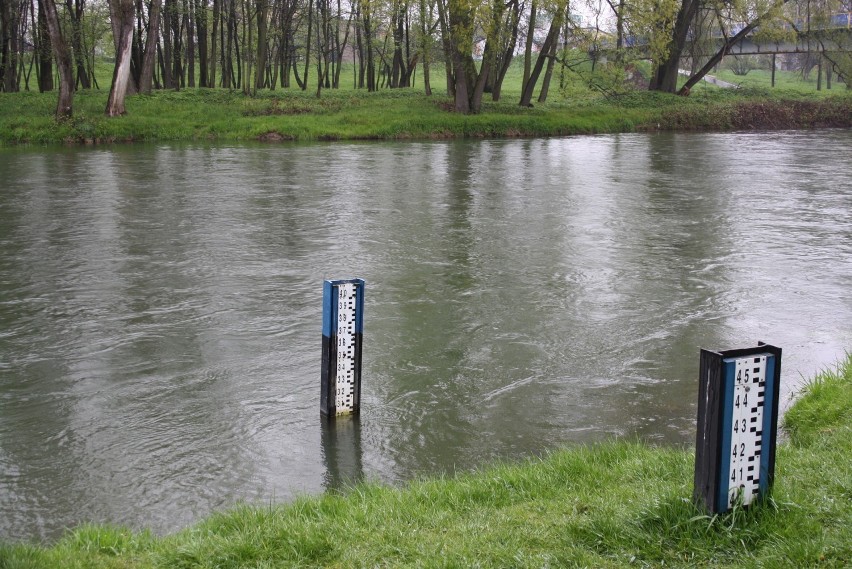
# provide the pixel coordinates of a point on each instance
(610, 505)
(347, 114)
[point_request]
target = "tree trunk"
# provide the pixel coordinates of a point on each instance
(426, 45)
(76, 12)
(64, 106)
(285, 57)
(496, 38)
(827, 74)
(819, 74)
(147, 76)
(341, 44)
(619, 29)
(368, 50)
(460, 84)
(447, 45)
(168, 14)
(304, 84)
(228, 75)
(321, 28)
(549, 43)
(11, 60)
(260, 71)
(398, 61)
(247, 36)
(460, 21)
(137, 56)
(773, 70)
(211, 82)
(6, 29)
(508, 51)
(529, 44)
(124, 12)
(45, 68)
(664, 75)
(359, 45)
(189, 26)
(548, 74)
(237, 57)
(201, 31)
(177, 48)
(481, 80)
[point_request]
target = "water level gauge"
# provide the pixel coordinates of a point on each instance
(737, 424)
(342, 334)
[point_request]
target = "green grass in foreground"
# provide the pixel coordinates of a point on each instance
(610, 505)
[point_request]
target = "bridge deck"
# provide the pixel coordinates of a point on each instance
(835, 39)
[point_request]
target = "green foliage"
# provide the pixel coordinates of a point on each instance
(616, 504)
(653, 20)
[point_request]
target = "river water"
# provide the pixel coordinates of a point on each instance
(160, 306)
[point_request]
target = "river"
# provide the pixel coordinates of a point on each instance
(161, 306)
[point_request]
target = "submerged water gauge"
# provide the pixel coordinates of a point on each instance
(342, 336)
(737, 426)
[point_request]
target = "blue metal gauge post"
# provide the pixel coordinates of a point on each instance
(342, 338)
(737, 425)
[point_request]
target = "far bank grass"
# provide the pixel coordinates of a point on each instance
(218, 115)
(617, 504)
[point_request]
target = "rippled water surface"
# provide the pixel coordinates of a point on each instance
(160, 307)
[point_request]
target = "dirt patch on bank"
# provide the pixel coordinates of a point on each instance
(760, 115)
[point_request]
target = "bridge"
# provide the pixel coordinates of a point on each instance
(836, 39)
(836, 36)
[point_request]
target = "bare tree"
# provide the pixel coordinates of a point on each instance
(64, 106)
(123, 13)
(147, 76)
